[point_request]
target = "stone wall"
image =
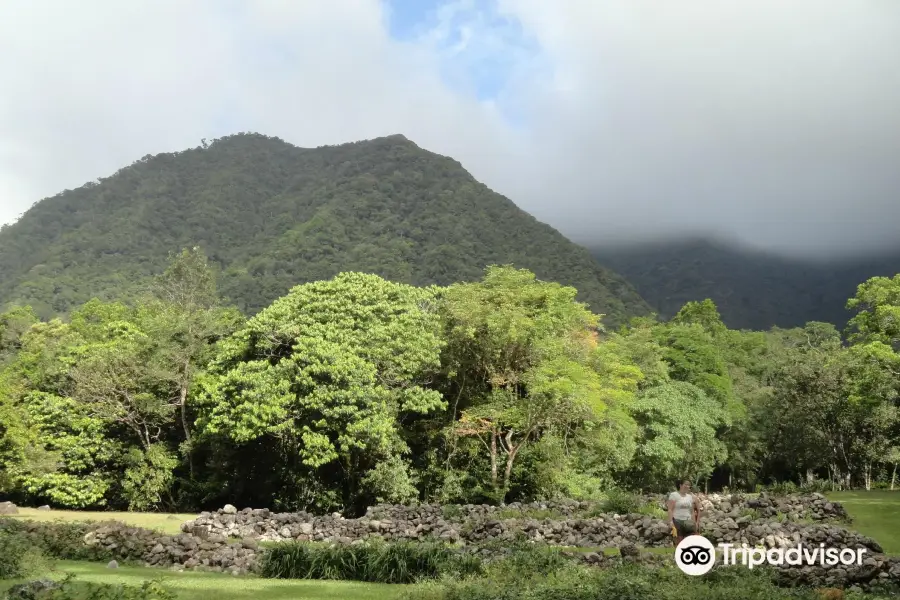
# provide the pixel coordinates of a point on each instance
(726, 518)
(215, 552)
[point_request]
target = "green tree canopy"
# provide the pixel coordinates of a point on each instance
(327, 372)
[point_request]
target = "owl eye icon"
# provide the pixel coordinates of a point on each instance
(695, 555)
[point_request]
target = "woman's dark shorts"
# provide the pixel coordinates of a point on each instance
(684, 528)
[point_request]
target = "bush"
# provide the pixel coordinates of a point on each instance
(371, 561)
(59, 540)
(786, 488)
(19, 558)
(452, 512)
(620, 502)
(652, 510)
(69, 589)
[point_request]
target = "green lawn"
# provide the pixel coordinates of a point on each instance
(875, 513)
(165, 522)
(192, 585)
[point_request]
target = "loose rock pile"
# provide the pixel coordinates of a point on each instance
(8, 508)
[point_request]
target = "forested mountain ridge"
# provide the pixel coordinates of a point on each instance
(752, 290)
(271, 215)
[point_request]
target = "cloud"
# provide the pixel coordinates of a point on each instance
(773, 122)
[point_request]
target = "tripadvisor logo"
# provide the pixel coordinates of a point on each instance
(696, 555)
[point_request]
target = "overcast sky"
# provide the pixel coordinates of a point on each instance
(774, 121)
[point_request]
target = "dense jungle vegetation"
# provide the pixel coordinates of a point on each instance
(357, 389)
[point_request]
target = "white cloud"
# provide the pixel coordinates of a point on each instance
(773, 121)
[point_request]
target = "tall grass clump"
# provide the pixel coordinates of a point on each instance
(370, 561)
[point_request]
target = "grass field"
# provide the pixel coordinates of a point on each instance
(165, 522)
(875, 513)
(192, 585)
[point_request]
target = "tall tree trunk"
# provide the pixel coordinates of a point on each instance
(510, 458)
(893, 477)
(182, 402)
(494, 460)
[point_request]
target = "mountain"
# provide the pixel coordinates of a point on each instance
(271, 215)
(753, 290)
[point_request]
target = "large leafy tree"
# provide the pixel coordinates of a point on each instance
(54, 448)
(327, 374)
(877, 307)
(677, 434)
(875, 381)
(520, 352)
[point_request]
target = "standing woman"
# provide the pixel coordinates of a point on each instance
(684, 511)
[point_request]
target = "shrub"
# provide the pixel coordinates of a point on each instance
(19, 558)
(59, 540)
(652, 510)
(452, 512)
(620, 502)
(69, 589)
(819, 485)
(753, 513)
(372, 561)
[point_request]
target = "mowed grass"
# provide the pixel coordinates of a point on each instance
(875, 513)
(193, 585)
(166, 522)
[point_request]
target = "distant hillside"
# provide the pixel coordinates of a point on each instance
(752, 290)
(272, 215)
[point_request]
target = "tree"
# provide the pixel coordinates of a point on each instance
(677, 425)
(520, 350)
(119, 380)
(328, 373)
(13, 325)
(705, 314)
(875, 377)
(694, 356)
(185, 321)
(52, 447)
(877, 306)
(893, 458)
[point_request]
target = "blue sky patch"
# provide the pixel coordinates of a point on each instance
(480, 49)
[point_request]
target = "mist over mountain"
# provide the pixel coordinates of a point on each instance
(753, 289)
(271, 215)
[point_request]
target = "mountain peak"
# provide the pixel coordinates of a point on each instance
(271, 215)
